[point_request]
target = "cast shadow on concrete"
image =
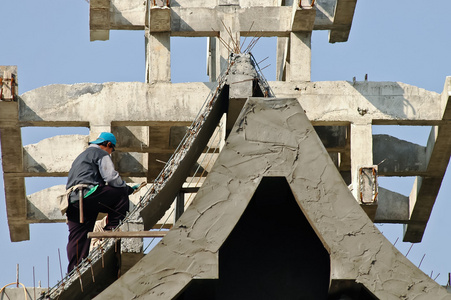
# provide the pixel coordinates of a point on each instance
(390, 154)
(26, 113)
(392, 103)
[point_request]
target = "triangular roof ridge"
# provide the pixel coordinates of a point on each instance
(358, 251)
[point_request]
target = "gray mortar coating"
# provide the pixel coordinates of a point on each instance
(273, 137)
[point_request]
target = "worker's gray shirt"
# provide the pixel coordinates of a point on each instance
(92, 167)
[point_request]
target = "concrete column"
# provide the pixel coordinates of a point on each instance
(362, 157)
(212, 67)
(300, 56)
(12, 157)
(231, 22)
(361, 152)
(282, 55)
(158, 56)
(131, 248)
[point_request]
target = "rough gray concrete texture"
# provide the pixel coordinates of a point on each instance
(273, 137)
(382, 103)
(128, 102)
(392, 206)
(277, 20)
(389, 153)
(82, 105)
(331, 102)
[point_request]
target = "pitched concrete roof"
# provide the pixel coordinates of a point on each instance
(273, 137)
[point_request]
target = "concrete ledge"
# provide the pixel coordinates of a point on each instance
(83, 104)
(380, 103)
(392, 207)
(396, 157)
(344, 14)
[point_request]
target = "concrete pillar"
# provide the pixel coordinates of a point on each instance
(12, 155)
(282, 55)
(131, 248)
(361, 151)
(362, 157)
(230, 21)
(158, 56)
(300, 57)
(212, 68)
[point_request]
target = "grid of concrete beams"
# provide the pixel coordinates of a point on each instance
(151, 132)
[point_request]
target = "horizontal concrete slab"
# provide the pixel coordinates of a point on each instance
(267, 16)
(381, 103)
(130, 103)
(395, 157)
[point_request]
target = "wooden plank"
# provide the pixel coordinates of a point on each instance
(126, 234)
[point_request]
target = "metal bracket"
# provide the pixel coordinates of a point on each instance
(368, 187)
(8, 87)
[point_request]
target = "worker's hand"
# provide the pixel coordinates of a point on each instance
(134, 189)
(130, 190)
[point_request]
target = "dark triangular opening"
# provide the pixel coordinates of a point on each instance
(349, 290)
(272, 253)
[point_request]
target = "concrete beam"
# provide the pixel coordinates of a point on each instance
(127, 15)
(83, 104)
(16, 207)
(253, 21)
(99, 20)
(382, 103)
(43, 206)
(379, 103)
(396, 157)
(425, 190)
(39, 161)
(115, 14)
(344, 14)
(392, 207)
(12, 156)
(276, 21)
(325, 11)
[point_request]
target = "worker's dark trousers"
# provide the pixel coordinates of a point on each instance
(105, 199)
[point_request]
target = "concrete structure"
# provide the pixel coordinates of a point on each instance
(159, 111)
(220, 247)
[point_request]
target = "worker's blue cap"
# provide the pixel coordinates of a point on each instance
(105, 137)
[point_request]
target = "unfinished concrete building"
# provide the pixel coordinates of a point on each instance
(290, 151)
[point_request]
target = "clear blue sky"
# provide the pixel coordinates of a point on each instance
(406, 41)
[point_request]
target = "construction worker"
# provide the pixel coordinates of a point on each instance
(93, 186)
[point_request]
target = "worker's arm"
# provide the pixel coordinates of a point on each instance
(109, 174)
